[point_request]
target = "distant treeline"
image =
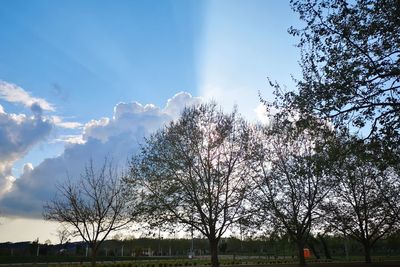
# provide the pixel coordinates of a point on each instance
(269, 247)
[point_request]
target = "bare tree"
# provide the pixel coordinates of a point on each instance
(63, 235)
(291, 174)
(193, 172)
(94, 205)
(363, 205)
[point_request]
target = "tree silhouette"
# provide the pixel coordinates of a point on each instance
(94, 205)
(193, 172)
(357, 207)
(291, 174)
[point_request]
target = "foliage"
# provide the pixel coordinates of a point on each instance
(351, 63)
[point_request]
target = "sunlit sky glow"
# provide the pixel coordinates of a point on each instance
(75, 78)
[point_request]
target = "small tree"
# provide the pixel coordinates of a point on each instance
(194, 171)
(290, 171)
(63, 235)
(94, 205)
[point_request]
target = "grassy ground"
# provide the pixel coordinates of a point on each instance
(120, 264)
(126, 262)
(346, 264)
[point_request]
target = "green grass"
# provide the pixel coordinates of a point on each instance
(70, 261)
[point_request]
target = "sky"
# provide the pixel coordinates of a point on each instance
(82, 80)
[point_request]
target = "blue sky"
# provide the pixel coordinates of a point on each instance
(78, 59)
(82, 54)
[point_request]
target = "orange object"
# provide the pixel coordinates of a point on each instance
(307, 253)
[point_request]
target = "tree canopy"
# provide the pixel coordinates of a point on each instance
(358, 207)
(193, 172)
(291, 173)
(94, 205)
(351, 63)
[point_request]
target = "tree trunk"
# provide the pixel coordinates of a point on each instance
(367, 252)
(94, 256)
(325, 246)
(313, 250)
(214, 252)
(302, 260)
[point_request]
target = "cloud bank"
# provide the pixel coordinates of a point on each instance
(18, 134)
(117, 138)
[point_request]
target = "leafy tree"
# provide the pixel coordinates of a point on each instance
(94, 205)
(290, 172)
(358, 207)
(351, 63)
(351, 75)
(193, 172)
(388, 162)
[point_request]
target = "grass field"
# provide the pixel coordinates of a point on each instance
(123, 264)
(126, 262)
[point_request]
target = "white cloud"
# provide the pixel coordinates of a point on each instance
(132, 117)
(69, 125)
(6, 181)
(71, 139)
(59, 121)
(122, 109)
(28, 167)
(116, 138)
(15, 94)
(18, 134)
(98, 129)
(178, 102)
